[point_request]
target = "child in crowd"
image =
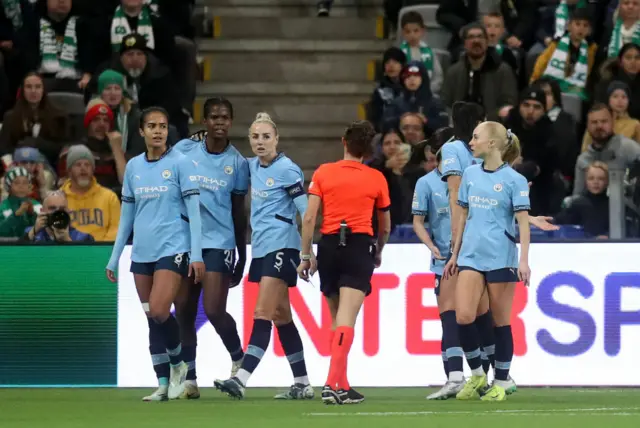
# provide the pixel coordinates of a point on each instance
(569, 60)
(623, 124)
(18, 211)
(416, 49)
(496, 31)
(590, 209)
(42, 177)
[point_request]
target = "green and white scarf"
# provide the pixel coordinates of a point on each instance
(577, 82)
(426, 55)
(562, 16)
(13, 12)
(59, 59)
(120, 28)
(122, 125)
(616, 38)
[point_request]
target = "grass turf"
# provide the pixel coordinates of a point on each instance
(384, 407)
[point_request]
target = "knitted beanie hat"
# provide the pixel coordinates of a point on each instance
(95, 108)
(14, 172)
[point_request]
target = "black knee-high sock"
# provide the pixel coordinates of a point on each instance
(471, 347)
(189, 357)
(292, 346)
(158, 353)
(484, 324)
(445, 364)
(171, 334)
(453, 350)
(504, 352)
(258, 343)
(228, 331)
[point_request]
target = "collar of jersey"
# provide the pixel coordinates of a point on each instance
(498, 169)
(438, 172)
(278, 157)
(206, 150)
(166, 152)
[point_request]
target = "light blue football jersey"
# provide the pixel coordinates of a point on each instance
(493, 198)
(431, 200)
(157, 188)
(456, 158)
(273, 210)
(219, 175)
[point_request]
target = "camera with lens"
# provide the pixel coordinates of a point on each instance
(58, 219)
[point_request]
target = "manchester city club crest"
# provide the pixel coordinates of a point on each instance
(166, 174)
(498, 187)
(269, 182)
(228, 170)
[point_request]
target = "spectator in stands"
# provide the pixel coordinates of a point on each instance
(59, 44)
(391, 162)
(10, 68)
(570, 59)
(149, 83)
(416, 98)
(539, 158)
(616, 151)
(18, 211)
(553, 24)
(389, 86)
(102, 145)
(126, 114)
(94, 209)
(590, 209)
(480, 77)
(623, 125)
(42, 177)
(34, 116)
(520, 19)
(565, 130)
(44, 231)
(496, 33)
(625, 28)
(416, 48)
(625, 68)
(423, 159)
(412, 127)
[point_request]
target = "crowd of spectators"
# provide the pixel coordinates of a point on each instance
(74, 77)
(561, 77)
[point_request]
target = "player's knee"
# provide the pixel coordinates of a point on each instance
(158, 312)
(464, 317)
(264, 313)
(501, 315)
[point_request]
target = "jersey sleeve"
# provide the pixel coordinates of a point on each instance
(241, 186)
(128, 194)
(187, 178)
(315, 188)
(293, 181)
(463, 192)
(383, 201)
(420, 204)
(520, 193)
(450, 161)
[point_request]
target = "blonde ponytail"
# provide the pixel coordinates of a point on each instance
(511, 151)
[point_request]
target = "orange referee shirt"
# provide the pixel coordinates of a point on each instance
(349, 191)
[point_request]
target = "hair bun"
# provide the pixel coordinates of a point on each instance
(262, 116)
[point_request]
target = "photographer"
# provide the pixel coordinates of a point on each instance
(53, 222)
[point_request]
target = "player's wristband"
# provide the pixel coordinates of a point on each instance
(305, 257)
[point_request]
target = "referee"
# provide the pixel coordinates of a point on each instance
(348, 191)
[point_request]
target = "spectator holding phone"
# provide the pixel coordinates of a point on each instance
(17, 211)
(53, 223)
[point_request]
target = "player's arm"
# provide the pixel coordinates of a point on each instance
(383, 205)
(461, 220)
(127, 217)
(309, 223)
(521, 207)
(191, 196)
(452, 174)
(240, 220)
(420, 209)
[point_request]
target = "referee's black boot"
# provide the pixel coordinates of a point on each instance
(330, 396)
(350, 396)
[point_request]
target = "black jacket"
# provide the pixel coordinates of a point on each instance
(612, 71)
(381, 99)
(589, 211)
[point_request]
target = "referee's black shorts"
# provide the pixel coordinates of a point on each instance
(349, 266)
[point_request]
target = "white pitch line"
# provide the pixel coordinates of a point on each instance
(620, 411)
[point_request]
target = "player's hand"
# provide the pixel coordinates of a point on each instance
(524, 273)
(238, 272)
(196, 270)
(435, 253)
(111, 275)
(543, 223)
(451, 268)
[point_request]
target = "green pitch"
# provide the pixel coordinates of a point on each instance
(383, 408)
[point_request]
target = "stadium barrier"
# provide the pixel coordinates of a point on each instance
(577, 324)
